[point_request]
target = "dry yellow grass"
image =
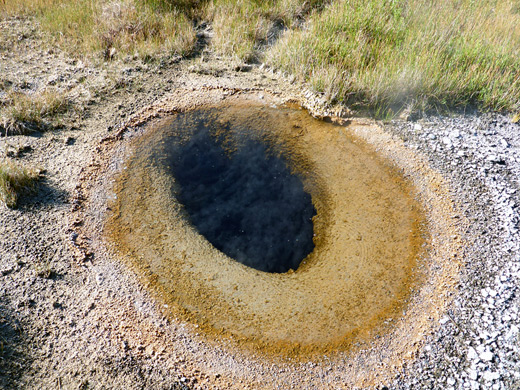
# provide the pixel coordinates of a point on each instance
(149, 28)
(23, 113)
(15, 179)
(243, 27)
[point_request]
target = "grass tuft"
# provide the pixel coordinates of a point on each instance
(111, 28)
(15, 180)
(24, 113)
(147, 29)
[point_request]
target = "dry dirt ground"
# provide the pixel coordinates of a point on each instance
(73, 318)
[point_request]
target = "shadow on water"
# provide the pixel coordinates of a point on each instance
(243, 198)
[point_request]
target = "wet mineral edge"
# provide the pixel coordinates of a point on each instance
(368, 232)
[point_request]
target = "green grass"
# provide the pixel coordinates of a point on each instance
(15, 180)
(23, 113)
(389, 54)
(380, 55)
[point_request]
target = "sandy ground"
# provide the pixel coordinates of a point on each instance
(73, 317)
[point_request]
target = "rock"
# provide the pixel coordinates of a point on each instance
(243, 68)
(495, 159)
(490, 376)
(486, 356)
(455, 134)
(472, 354)
(447, 141)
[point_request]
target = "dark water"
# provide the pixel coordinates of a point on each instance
(241, 195)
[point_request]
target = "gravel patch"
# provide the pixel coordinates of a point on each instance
(476, 345)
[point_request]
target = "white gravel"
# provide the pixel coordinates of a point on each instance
(477, 343)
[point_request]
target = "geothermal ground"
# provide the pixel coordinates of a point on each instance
(73, 316)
